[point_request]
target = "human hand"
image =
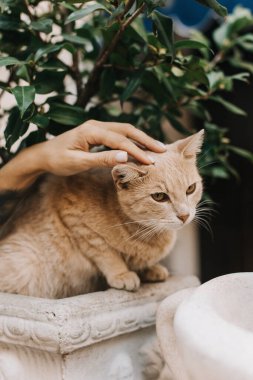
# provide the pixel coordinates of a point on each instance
(69, 154)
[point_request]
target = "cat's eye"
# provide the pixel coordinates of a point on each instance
(191, 189)
(160, 197)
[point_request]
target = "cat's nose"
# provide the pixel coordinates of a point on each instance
(183, 217)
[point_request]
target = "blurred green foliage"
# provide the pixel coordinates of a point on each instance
(114, 66)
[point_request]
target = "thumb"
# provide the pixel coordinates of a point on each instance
(108, 158)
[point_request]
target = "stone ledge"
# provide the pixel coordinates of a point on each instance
(65, 325)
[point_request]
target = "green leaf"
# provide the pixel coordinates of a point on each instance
(8, 61)
(229, 106)
(240, 63)
(177, 125)
(86, 11)
(226, 35)
(241, 152)
(116, 13)
(9, 23)
(190, 44)
(24, 97)
(23, 73)
(48, 81)
(42, 25)
(216, 172)
(131, 87)
(66, 5)
(66, 114)
(139, 28)
(163, 26)
(15, 128)
(217, 7)
(75, 39)
(107, 83)
(34, 137)
(214, 78)
(40, 120)
(47, 50)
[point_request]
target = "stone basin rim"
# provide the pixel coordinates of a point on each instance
(215, 332)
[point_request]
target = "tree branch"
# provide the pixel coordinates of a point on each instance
(92, 83)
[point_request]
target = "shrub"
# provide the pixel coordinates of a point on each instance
(113, 61)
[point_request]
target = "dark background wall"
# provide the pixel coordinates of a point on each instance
(231, 249)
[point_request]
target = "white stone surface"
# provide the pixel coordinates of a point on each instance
(206, 333)
(97, 336)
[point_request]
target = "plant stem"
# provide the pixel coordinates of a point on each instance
(92, 84)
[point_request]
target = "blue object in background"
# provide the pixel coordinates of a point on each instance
(190, 14)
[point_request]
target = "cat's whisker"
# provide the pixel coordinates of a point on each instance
(205, 224)
(147, 232)
(206, 211)
(207, 164)
(203, 154)
(139, 230)
(206, 201)
(134, 222)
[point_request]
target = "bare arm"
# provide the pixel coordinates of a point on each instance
(69, 154)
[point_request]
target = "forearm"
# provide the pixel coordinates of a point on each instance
(22, 170)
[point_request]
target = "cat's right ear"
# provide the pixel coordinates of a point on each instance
(123, 174)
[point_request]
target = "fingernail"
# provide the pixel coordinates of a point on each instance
(121, 157)
(162, 145)
(151, 159)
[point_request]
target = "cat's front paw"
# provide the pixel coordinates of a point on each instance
(156, 273)
(128, 281)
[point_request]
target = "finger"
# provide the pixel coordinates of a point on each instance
(130, 131)
(141, 137)
(117, 141)
(107, 158)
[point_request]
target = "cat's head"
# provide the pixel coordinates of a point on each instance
(165, 193)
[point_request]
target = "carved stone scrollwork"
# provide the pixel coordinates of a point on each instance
(104, 329)
(80, 332)
(28, 333)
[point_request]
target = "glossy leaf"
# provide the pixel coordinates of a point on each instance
(66, 114)
(40, 120)
(215, 5)
(131, 87)
(24, 97)
(229, 106)
(47, 50)
(75, 39)
(77, 15)
(15, 128)
(107, 83)
(8, 61)
(48, 81)
(8, 23)
(241, 152)
(163, 26)
(190, 44)
(42, 25)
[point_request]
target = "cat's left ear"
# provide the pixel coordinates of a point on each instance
(191, 146)
(123, 174)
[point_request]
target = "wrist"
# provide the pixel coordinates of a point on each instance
(23, 170)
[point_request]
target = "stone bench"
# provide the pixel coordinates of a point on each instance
(97, 336)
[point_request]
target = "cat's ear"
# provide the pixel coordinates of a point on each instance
(123, 174)
(191, 146)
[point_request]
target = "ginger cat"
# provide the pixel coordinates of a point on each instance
(102, 224)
